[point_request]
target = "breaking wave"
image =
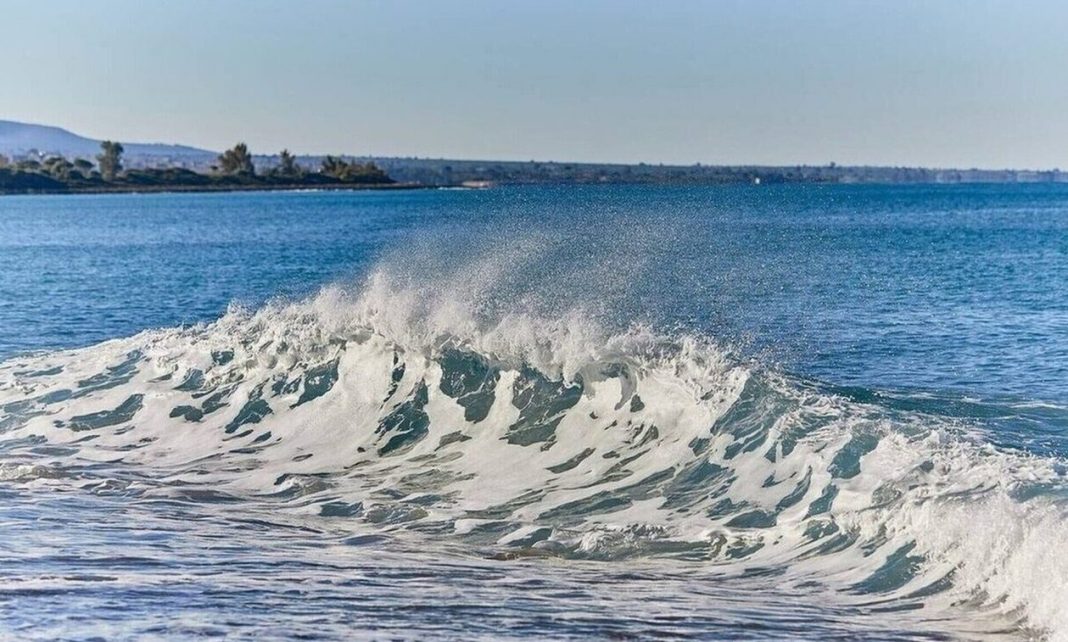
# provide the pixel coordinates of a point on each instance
(408, 409)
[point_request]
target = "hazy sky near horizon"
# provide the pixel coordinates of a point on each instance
(903, 82)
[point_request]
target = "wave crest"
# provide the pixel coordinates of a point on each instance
(419, 411)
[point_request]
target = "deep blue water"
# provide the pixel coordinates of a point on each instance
(774, 412)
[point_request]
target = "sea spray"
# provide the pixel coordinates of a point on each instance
(413, 409)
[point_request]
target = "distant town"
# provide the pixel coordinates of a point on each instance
(37, 158)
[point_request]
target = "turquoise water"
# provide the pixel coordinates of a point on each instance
(748, 412)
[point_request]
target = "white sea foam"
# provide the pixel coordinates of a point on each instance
(418, 406)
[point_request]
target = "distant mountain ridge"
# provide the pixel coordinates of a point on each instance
(19, 138)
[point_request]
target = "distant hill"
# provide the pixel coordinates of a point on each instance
(18, 138)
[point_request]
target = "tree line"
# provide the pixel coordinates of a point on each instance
(234, 167)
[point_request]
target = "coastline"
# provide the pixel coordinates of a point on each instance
(163, 189)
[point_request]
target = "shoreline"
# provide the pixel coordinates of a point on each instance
(183, 189)
(409, 186)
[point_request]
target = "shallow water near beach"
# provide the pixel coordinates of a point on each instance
(818, 412)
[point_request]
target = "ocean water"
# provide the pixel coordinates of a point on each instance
(818, 412)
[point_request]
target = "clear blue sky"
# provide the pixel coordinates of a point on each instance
(945, 83)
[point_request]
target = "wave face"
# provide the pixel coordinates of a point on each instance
(408, 410)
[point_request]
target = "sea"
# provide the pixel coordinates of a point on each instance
(760, 412)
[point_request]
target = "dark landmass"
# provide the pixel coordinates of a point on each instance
(234, 170)
(456, 172)
(179, 180)
(34, 159)
(221, 186)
